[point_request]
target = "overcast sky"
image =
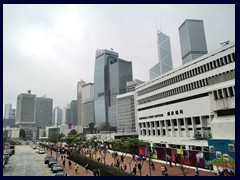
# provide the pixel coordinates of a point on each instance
(49, 48)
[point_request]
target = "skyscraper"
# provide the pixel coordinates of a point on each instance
(25, 115)
(164, 56)
(74, 112)
(79, 102)
(57, 116)
(9, 112)
(44, 108)
(88, 104)
(110, 77)
(192, 40)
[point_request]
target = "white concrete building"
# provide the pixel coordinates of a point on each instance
(187, 101)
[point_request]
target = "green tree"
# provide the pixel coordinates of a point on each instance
(73, 132)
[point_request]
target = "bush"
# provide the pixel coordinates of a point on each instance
(105, 170)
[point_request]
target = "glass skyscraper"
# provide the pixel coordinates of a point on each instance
(164, 56)
(110, 77)
(192, 40)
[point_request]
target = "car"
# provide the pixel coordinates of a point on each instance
(56, 167)
(52, 162)
(41, 151)
(61, 174)
(37, 149)
(34, 146)
(47, 158)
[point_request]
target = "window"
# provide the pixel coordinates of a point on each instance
(168, 123)
(197, 120)
(168, 113)
(181, 111)
(176, 112)
(189, 121)
(158, 132)
(174, 122)
(172, 113)
(230, 90)
(181, 122)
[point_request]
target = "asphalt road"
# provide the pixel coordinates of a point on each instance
(26, 162)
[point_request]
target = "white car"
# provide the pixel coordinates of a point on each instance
(37, 149)
(41, 151)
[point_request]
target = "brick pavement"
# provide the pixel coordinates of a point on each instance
(172, 171)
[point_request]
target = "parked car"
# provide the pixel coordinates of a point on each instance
(61, 174)
(51, 162)
(34, 146)
(47, 158)
(56, 167)
(41, 151)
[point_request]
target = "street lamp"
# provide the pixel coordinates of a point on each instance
(165, 147)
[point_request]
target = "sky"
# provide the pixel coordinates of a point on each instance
(49, 48)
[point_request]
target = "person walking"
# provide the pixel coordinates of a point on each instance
(86, 167)
(69, 164)
(63, 163)
(76, 168)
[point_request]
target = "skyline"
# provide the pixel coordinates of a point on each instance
(74, 32)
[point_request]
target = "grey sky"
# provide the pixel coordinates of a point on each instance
(49, 48)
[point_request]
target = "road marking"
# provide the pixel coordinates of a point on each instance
(42, 165)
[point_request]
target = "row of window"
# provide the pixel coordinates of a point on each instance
(168, 123)
(181, 89)
(224, 93)
(193, 72)
(176, 112)
(152, 116)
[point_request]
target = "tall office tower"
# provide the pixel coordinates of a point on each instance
(132, 84)
(64, 115)
(110, 77)
(9, 112)
(74, 112)
(120, 72)
(26, 103)
(57, 116)
(88, 104)
(68, 116)
(44, 108)
(79, 102)
(192, 40)
(164, 56)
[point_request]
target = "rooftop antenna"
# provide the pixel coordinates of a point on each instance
(111, 49)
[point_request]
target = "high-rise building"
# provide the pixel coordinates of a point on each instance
(192, 40)
(9, 112)
(57, 116)
(164, 56)
(44, 108)
(88, 104)
(132, 84)
(26, 110)
(73, 112)
(79, 102)
(110, 77)
(68, 116)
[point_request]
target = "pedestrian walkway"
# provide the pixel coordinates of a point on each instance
(172, 171)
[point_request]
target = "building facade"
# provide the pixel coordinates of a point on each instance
(26, 110)
(120, 73)
(74, 112)
(57, 116)
(110, 77)
(9, 112)
(44, 108)
(192, 40)
(79, 102)
(164, 56)
(187, 104)
(88, 115)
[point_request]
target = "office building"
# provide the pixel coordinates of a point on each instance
(26, 111)
(192, 40)
(88, 104)
(57, 116)
(192, 102)
(164, 56)
(9, 112)
(74, 112)
(79, 102)
(110, 76)
(131, 85)
(44, 108)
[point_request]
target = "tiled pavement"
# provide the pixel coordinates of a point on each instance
(172, 171)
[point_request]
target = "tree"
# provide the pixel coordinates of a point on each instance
(22, 134)
(73, 132)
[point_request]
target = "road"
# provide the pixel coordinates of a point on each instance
(26, 162)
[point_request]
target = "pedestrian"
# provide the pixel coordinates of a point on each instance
(153, 166)
(69, 163)
(134, 170)
(125, 167)
(163, 170)
(76, 168)
(94, 172)
(86, 167)
(196, 172)
(98, 172)
(63, 163)
(61, 156)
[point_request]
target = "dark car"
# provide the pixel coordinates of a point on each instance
(51, 162)
(61, 174)
(56, 168)
(47, 158)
